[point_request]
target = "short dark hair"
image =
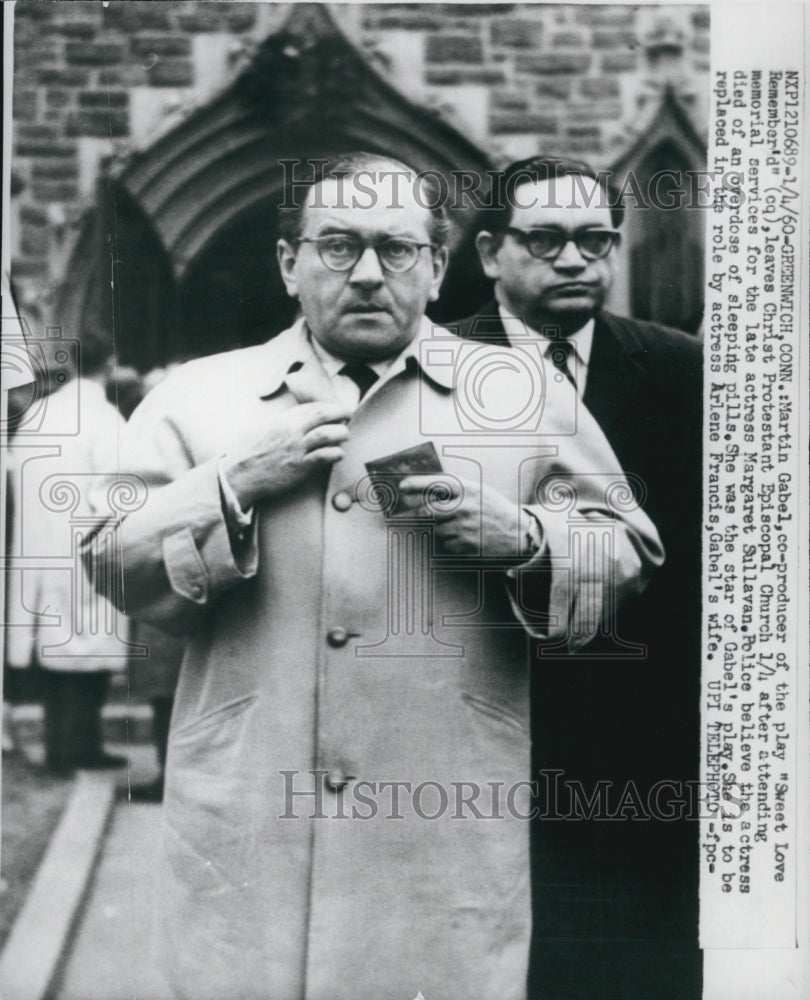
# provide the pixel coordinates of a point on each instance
(536, 169)
(291, 212)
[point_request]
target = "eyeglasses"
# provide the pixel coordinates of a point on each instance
(342, 252)
(547, 243)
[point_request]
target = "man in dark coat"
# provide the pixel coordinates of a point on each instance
(616, 882)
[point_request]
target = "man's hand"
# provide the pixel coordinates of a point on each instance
(305, 438)
(465, 513)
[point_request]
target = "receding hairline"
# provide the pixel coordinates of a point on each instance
(405, 196)
(381, 171)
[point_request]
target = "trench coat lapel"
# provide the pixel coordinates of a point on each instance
(292, 363)
(485, 325)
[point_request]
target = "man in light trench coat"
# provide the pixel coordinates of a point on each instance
(346, 785)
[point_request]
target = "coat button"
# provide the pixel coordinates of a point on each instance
(336, 780)
(337, 637)
(342, 500)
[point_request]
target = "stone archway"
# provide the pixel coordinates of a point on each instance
(204, 195)
(664, 240)
(231, 293)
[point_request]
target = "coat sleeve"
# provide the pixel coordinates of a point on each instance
(599, 547)
(173, 555)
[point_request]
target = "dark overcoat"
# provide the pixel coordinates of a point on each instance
(616, 902)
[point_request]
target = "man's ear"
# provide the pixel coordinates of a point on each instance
(440, 261)
(487, 247)
(285, 253)
(613, 258)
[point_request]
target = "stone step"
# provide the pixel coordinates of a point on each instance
(37, 940)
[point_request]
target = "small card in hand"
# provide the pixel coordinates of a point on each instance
(386, 473)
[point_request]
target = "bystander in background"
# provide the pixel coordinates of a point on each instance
(76, 637)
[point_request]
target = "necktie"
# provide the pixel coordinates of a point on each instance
(559, 353)
(362, 376)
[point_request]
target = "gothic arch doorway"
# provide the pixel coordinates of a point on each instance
(666, 264)
(231, 293)
(206, 192)
(662, 275)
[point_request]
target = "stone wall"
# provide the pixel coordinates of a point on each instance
(518, 78)
(95, 81)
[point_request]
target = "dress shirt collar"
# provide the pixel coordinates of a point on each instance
(582, 340)
(293, 353)
(332, 365)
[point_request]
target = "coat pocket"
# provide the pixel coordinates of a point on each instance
(214, 741)
(494, 711)
(212, 805)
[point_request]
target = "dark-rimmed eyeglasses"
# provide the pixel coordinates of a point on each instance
(342, 252)
(548, 242)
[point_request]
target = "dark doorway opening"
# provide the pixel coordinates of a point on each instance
(666, 259)
(232, 295)
(140, 306)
